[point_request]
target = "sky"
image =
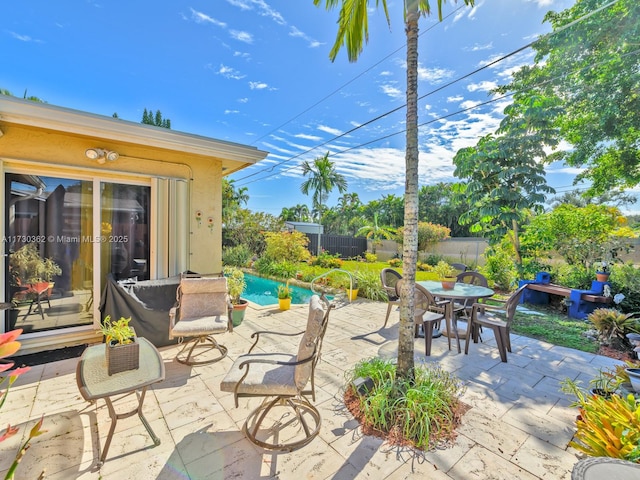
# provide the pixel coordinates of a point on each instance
(257, 72)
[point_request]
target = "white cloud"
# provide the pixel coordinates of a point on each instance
(227, 112)
(200, 17)
(229, 72)
(330, 130)
(243, 100)
(263, 9)
(241, 36)
(433, 75)
(483, 86)
(477, 47)
(392, 91)
(241, 54)
(455, 98)
(258, 85)
(542, 3)
(386, 73)
(23, 38)
(304, 136)
(295, 32)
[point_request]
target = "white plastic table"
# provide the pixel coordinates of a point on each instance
(95, 383)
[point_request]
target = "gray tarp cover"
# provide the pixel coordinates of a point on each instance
(147, 303)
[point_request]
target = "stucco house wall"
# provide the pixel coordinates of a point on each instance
(182, 169)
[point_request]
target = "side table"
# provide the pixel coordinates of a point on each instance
(95, 383)
(598, 468)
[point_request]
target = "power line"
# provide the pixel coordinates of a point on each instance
(379, 117)
(326, 97)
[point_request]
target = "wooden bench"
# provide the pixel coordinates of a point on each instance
(554, 289)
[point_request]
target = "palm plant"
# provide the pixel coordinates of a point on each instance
(353, 31)
(323, 178)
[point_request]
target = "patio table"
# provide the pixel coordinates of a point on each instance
(94, 383)
(597, 468)
(460, 291)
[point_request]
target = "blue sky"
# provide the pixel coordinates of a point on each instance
(257, 72)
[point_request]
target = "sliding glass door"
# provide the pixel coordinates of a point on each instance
(61, 234)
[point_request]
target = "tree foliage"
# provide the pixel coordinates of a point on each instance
(150, 118)
(581, 235)
(286, 246)
(590, 68)
(323, 178)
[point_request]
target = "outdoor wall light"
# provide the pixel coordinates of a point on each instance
(101, 156)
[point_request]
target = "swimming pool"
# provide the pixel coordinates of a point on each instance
(263, 291)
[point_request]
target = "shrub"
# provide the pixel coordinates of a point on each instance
(237, 256)
(423, 410)
(573, 276)
(433, 259)
(395, 262)
(613, 324)
(625, 279)
(326, 260)
(369, 286)
(606, 427)
(370, 257)
(291, 246)
(500, 268)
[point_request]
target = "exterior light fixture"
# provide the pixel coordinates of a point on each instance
(101, 156)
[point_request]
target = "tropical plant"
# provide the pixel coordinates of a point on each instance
(613, 324)
(376, 232)
(444, 270)
(422, 411)
(607, 426)
(235, 283)
(369, 286)
(117, 332)
(353, 32)
(8, 347)
(237, 256)
(323, 178)
(284, 291)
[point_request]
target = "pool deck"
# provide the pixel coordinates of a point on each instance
(518, 426)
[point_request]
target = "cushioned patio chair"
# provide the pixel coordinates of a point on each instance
(285, 380)
(202, 309)
(389, 277)
(496, 317)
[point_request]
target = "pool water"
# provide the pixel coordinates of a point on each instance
(264, 291)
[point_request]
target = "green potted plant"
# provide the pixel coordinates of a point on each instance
(284, 296)
(236, 285)
(122, 349)
(603, 270)
(446, 274)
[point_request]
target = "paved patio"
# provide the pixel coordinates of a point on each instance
(518, 426)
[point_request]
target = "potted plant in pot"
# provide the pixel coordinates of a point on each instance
(603, 270)
(446, 274)
(122, 349)
(284, 296)
(236, 285)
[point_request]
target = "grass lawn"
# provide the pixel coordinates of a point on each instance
(554, 327)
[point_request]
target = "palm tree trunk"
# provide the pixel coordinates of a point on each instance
(405, 368)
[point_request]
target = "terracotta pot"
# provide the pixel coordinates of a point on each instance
(448, 283)
(602, 276)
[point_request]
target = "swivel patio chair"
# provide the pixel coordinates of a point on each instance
(285, 380)
(496, 317)
(202, 309)
(389, 277)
